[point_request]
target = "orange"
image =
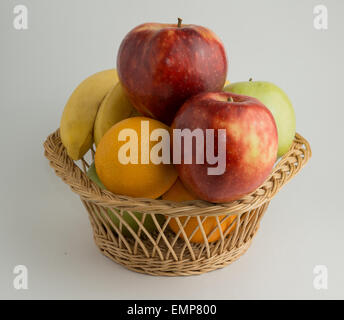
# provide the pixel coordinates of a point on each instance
(210, 226)
(120, 165)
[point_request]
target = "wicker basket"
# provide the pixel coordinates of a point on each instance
(164, 252)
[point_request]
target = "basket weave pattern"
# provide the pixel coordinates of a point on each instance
(163, 252)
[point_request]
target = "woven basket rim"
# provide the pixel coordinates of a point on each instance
(284, 170)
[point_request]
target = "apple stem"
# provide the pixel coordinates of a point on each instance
(179, 22)
(230, 99)
(250, 79)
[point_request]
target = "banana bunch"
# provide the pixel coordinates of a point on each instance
(94, 107)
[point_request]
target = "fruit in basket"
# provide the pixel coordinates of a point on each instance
(148, 222)
(114, 108)
(92, 174)
(248, 148)
(76, 127)
(162, 65)
(210, 224)
(124, 163)
(178, 193)
(277, 101)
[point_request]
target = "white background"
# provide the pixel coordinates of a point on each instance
(43, 224)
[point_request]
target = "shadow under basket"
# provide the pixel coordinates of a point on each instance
(161, 251)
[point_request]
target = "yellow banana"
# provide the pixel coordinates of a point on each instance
(79, 114)
(114, 108)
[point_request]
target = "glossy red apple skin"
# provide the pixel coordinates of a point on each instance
(251, 144)
(161, 65)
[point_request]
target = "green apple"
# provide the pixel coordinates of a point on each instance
(92, 174)
(148, 224)
(276, 100)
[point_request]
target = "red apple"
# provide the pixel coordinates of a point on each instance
(162, 65)
(250, 150)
